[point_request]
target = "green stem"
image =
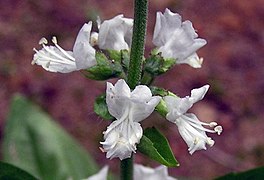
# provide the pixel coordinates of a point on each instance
(135, 66)
(138, 42)
(126, 167)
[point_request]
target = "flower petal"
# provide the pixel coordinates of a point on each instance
(194, 137)
(54, 60)
(143, 104)
(177, 106)
(121, 138)
(165, 24)
(198, 93)
(117, 98)
(83, 52)
(175, 39)
(147, 173)
(141, 110)
(116, 33)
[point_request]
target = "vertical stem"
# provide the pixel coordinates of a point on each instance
(138, 42)
(126, 167)
(135, 66)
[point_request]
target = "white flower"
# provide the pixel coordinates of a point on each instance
(147, 173)
(116, 33)
(189, 126)
(177, 39)
(56, 59)
(129, 108)
(101, 175)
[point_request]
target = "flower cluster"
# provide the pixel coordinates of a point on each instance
(129, 108)
(176, 43)
(172, 37)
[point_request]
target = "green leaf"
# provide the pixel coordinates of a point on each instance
(100, 108)
(154, 145)
(10, 172)
(257, 173)
(105, 68)
(35, 143)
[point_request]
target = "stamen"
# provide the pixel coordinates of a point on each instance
(210, 142)
(94, 38)
(61, 58)
(44, 56)
(218, 129)
(212, 124)
(54, 40)
(102, 150)
(43, 41)
(34, 61)
(98, 21)
(200, 60)
(196, 140)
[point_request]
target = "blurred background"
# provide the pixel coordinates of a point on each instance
(233, 66)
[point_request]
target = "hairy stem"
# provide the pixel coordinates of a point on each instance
(135, 66)
(138, 42)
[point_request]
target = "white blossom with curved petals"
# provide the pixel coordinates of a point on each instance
(189, 126)
(146, 173)
(116, 33)
(177, 39)
(129, 108)
(56, 59)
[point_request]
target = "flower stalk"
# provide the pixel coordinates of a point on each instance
(138, 42)
(135, 66)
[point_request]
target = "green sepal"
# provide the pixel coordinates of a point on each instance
(100, 108)
(8, 171)
(157, 91)
(154, 145)
(104, 69)
(161, 108)
(121, 56)
(157, 65)
(257, 173)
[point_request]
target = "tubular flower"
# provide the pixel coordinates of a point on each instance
(56, 59)
(129, 108)
(146, 173)
(189, 126)
(177, 39)
(116, 33)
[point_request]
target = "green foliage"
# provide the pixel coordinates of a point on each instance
(105, 68)
(100, 108)
(154, 145)
(257, 173)
(35, 143)
(10, 172)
